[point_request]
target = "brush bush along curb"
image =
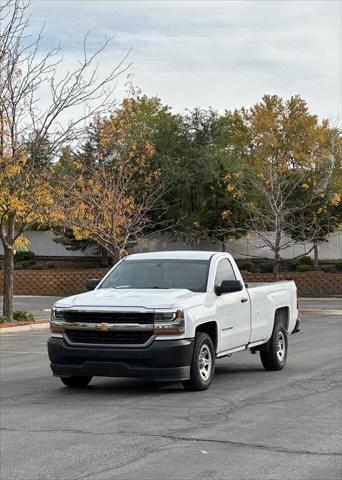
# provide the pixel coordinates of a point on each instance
(19, 316)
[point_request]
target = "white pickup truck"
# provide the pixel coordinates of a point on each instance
(169, 316)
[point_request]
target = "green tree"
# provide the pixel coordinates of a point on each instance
(197, 169)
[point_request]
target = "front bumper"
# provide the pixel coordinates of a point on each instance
(162, 360)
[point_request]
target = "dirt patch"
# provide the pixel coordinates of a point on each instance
(20, 324)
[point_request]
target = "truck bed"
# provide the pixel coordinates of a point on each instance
(264, 284)
(265, 298)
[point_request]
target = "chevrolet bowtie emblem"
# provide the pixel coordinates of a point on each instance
(102, 326)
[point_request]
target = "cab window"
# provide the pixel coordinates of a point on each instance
(224, 271)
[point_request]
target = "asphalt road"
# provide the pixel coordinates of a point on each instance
(251, 424)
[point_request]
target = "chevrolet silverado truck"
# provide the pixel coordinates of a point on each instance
(169, 316)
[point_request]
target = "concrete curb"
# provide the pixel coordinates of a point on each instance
(24, 328)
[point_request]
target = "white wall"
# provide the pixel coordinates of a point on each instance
(249, 246)
(42, 244)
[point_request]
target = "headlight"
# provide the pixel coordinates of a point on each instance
(57, 316)
(169, 323)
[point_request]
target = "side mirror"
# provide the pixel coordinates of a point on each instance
(92, 283)
(229, 286)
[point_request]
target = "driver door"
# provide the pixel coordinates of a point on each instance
(232, 309)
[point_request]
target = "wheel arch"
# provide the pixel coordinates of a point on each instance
(282, 314)
(211, 329)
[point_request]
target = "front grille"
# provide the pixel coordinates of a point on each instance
(109, 317)
(114, 337)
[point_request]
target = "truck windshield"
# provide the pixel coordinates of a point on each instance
(158, 273)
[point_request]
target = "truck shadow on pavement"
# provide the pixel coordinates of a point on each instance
(134, 386)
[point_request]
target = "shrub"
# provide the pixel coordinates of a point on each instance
(266, 267)
(22, 316)
(23, 256)
(306, 260)
(245, 265)
(328, 268)
(3, 319)
(29, 265)
(338, 265)
(291, 266)
(302, 267)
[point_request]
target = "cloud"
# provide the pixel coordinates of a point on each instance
(222, 54)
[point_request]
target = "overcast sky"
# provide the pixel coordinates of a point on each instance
(207, 53)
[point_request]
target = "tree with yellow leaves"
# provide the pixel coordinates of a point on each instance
(110, 195)
(26, 125)
(287, 160)
(322, 214)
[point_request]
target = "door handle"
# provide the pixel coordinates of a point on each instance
(243, 300)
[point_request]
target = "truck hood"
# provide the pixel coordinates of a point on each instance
(138, 298)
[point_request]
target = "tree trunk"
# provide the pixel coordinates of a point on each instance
(276, 255)
(7, 239)
(316, 265)
(276, 266)
(115, 254)
(8, 283)
(105, 259)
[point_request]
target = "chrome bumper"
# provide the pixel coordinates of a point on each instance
(101, 326)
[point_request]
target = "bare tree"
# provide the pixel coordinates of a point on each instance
(276, 203)
(24, 73)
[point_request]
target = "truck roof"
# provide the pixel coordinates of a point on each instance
(176, 255)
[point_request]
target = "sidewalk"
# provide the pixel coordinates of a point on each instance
(16, 327)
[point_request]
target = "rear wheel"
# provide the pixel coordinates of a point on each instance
(203, 363)
(274, 354)
(76, 382)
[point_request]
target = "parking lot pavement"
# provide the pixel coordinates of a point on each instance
(39, 306)
(250, 424)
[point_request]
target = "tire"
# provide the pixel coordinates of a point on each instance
(202, 366)
(274, 355)
(76, 382)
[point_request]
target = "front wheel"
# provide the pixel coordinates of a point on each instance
(203, 363)
(274, 355)
(76, 382)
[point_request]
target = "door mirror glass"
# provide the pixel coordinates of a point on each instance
(229, 286)
(92, 283)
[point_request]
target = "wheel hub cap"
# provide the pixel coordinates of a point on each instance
(281, 346)
(205, 362)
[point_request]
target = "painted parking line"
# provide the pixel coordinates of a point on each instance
(320, 310)
(21, 353)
